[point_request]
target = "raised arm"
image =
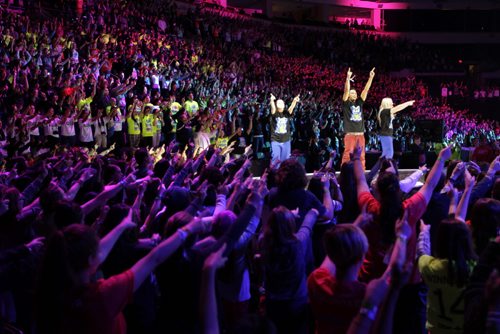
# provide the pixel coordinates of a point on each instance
(160, 253)
(401, 106)
(347, 86)
(208, 300)
(461, 212)
(435, 174)
(273, 104)
(294, 103)
(106, 244)
(73, 191)
(327, 198)
(364, 93)
(108, 193)
(359, 173)
(305, 230)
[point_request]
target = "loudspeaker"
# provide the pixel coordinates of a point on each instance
(430, 129)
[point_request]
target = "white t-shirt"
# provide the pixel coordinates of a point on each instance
(68, 127)
(86, 131)
(32, 125)
(100, 127)
(155, 81)
(51, 128)
(119, 120)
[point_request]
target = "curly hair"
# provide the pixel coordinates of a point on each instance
(291, 176)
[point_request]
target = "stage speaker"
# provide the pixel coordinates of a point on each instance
(430, 129)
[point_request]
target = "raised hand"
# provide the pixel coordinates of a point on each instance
(356, 153)
(325, 180)
(248, 150)
(424, 168)
(35, 245)
(215, 260)
(364, 218)
(494, 166)
(470, 180)
(87, 174)
(372, 73)
(349, 73)
(445, 153)
(457, 171)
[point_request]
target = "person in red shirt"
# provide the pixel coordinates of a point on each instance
(410, 313)
(381, 234)
(70, 301)
(335, 294)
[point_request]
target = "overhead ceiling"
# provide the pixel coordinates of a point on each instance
(383, 4)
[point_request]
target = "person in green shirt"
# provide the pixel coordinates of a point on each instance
(446, 274)
(191, 106)
(157, 126)
(175, 106)
(147, 129)
(134, 127)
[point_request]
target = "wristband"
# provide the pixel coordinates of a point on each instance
(370, 313)
(403, 238)
(183, 234)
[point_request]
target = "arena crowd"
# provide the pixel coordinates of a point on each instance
(127, 202)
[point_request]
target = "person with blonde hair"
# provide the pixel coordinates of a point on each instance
(385, 116)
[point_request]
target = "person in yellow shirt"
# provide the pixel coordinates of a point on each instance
(175, 106)
(191, 106)
(222, 140)
(446, 274)
(157, 126)
(134, 127)
(147, 131)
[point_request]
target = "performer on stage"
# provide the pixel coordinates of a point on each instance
(280, 127)
(354, 127)
(385, 116)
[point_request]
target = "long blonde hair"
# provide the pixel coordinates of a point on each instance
(385, 104)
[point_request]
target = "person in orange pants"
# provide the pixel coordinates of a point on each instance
(352, 108)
